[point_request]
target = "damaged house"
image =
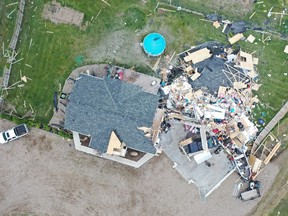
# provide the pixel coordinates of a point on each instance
(105, 114)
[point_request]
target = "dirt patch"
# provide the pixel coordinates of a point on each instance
(278, 191)
(58, 14)
(124, 47)
(63, 181)
(120, 46)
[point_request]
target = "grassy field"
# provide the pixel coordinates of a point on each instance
(7, 26)
(241, 10)
(281, 209)
(52, 55)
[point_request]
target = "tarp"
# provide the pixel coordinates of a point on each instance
(201, 157)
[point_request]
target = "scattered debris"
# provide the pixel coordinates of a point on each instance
(238, 27)
(236, 38)
(198, 56)
(106, 3)
(252, 14)
(216, 116)
(59, 14)
(216, 24)
(251, 38)
(286, 49)
(11, 4)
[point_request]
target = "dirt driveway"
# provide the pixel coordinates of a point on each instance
(41, 174)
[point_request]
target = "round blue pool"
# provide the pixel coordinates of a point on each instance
(154, 44)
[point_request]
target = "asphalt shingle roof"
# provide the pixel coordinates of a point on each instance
(97, 106)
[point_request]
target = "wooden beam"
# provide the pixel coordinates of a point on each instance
(272, 153)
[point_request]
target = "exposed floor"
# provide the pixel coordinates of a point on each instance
(201, 175)
(42, 175)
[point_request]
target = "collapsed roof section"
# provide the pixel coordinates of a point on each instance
(213, 65)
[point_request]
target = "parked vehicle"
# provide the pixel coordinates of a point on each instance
(252, 192)
(14, 133)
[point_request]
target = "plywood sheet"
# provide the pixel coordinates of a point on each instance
(222, 91)
(198, 56)
(216, 24)
(251, 38)
(195, 76)
(236, 38)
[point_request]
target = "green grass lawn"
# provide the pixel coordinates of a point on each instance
(281, 209)
(6, 27)
(52, 55)
(273, 91)
(235, 10)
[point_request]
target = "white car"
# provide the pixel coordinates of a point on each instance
(14, 133)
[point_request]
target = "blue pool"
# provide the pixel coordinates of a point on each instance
(154, 44)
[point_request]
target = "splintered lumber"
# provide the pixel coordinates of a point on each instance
(222, 91)
(255, 163)
(186, 142)
(106, 3)
(203, 138)
(256, 86)
(11, 4)
(271, 154)
(282, 112)
(164, 74)
(17, 29)
(156, 126)
(236, 38)
(167, 10)
(239, 85)
(155, 67)
(98, 14)
(171, 57)
(18, 61)
(252, 15)
(189, 70)
(145, 129)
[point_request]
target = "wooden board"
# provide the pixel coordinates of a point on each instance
(236, 38)
(198, 56)
(195, 76)
(216, 24)
(114, 143)
(271, 154)
(251, 38)
(186, 142)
